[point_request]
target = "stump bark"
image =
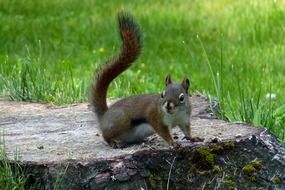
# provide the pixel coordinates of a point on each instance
(62, 147)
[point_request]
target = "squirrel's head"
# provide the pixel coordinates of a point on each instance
(175, 96)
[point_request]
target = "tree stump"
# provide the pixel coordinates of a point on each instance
(62, 147)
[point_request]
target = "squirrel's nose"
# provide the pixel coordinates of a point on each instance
(169, 105)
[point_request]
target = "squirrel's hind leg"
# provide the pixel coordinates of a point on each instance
(134, 135)
(137, 133)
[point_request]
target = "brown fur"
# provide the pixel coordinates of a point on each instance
(131, 49)
(132, 119)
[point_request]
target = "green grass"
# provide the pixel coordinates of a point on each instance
(234, 51)
(11, 174)
(14, 177)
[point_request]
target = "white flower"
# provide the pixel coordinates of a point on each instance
(271, 96)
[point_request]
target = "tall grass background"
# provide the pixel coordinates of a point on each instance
(233, 51)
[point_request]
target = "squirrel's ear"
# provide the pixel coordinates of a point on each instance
(168, 80)
(185, 84)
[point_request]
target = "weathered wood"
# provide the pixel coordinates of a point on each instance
(63, 145)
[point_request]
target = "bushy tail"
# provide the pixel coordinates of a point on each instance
(130, 50)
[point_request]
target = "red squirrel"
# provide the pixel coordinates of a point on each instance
(134, 118)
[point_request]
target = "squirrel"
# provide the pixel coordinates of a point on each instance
(132, 119)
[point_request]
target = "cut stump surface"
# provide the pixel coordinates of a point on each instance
(46, 133)
(64, 141)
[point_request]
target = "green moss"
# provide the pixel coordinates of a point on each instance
(252, 167)
(248, 169)
(229, 145)
(217, 149)
(203, 158)
(276, 179)
(253, 178)
(256, 164)
(216, 169)
(230, 184)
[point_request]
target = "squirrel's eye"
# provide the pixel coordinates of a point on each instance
(181, 98)
(162, 95)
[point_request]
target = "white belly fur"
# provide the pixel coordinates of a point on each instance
(177, 119)
(138, 133)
